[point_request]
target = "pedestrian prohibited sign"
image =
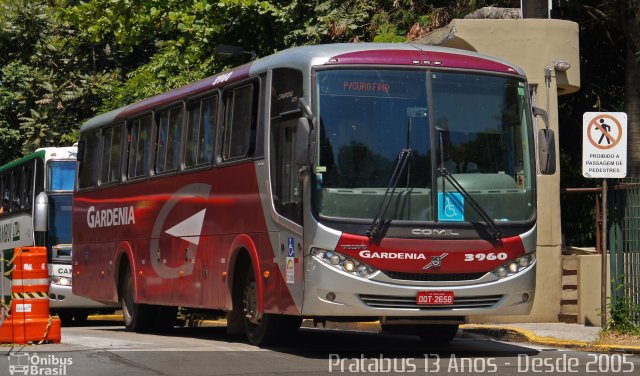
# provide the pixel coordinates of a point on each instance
(604, 145)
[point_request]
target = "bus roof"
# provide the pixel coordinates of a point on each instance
(29, 157)
(66, 152)
(305, 57)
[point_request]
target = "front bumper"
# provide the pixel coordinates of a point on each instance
(385, 297)
(62, 297)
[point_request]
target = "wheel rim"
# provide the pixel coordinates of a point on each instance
(250, 303)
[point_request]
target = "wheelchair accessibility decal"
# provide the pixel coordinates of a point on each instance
(450, 207)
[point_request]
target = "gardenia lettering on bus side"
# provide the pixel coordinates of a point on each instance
(110, 217)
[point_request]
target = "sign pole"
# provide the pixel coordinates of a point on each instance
(603, 255)
(604, 156)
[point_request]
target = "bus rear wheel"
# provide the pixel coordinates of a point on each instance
(134, 314)
(265, 329)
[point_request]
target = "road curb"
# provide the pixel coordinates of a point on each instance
(114, 317)
(511, 333)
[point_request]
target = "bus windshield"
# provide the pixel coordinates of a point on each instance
(476, 126)
(60, 219)
(61, 176)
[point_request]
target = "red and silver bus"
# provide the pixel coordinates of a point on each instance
(389, 182)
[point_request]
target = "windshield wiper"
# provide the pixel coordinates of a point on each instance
(379, 223)
(493, 229)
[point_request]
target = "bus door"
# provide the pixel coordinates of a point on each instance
(286, 186)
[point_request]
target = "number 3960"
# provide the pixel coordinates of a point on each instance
(485, 256)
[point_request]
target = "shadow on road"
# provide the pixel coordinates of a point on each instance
(320, 343)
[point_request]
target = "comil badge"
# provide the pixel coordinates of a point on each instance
(604, 145)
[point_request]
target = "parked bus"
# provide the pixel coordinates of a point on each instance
(387, 182)
(37, 193)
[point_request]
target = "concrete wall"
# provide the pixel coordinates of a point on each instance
(532, 44)
(589, 289)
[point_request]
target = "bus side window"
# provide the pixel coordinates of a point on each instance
(138, 160)
(239, 122)
(4, 204)
(16, 197)
(201, 131)
(168, 142)
(111, 153)
(286, 88)
(27, 187)
(6, 195)
(90, 164)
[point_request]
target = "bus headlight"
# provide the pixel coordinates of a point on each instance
(515, 266)
(342, 262)
(62, 281)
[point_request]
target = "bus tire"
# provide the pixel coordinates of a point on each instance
(66, 317)
(80, 316)
(135, 315)
(270, 328)
(437, 334)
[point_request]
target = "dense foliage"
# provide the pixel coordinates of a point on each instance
(63, 61)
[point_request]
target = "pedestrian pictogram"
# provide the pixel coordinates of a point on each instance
(604, 145)
(609, 130)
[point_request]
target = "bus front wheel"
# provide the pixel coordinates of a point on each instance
(265, 329)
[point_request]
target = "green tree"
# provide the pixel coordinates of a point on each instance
(47, 80)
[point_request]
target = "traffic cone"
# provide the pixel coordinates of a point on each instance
(29, 320)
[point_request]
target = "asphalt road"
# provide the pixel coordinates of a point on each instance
(109, 350)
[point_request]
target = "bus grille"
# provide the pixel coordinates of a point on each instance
(460, 302)
(430, 277)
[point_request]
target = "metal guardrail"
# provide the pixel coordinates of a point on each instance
(624, 244)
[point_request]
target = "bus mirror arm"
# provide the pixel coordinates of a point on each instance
(41, 213)
(546, 145)
(303, 105)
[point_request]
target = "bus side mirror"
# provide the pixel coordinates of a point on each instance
(41, 213)
(547, 151)
(301, 151)
(546, 145)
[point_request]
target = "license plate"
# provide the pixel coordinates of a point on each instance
(434, 298)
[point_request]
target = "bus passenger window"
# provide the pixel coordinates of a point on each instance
(239, 123)
(201, 130)
(168, 143)
(27, 187)
(138, 147)
(4, 196)
(16, 197)
(111, 153)
(89, 166)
